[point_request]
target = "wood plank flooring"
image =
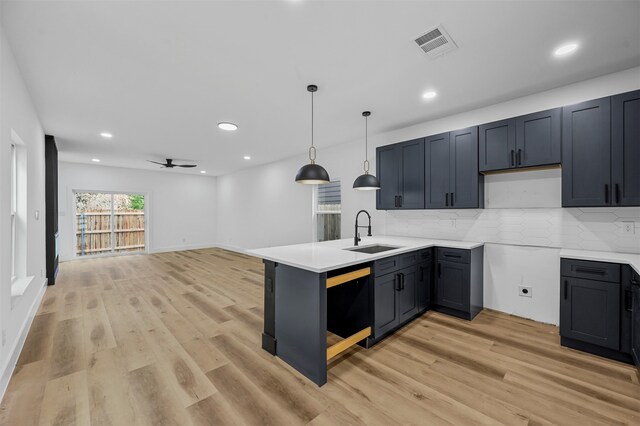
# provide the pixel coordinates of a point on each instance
(174, 339)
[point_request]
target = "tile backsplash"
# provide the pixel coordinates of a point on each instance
(598, 228)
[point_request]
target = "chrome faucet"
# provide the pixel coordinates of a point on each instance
(356, 236)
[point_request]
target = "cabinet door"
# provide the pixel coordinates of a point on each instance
(408, 294)
(625, 149)
(498, 145)
(385, 291)
(635, 319)
(463, 168)
(538, 137)
(424, 286)
(436, 161)
(452, 285)
(590, 311)
(586, 154)
(388, 170)
(412, 174)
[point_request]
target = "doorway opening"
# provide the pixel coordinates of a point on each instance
(109, 223)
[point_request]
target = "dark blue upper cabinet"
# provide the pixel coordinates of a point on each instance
(586, 154)
(497, 145)
(538, 138)
(412, 174)
(451, 170)
(388, 172)
(625, 149)
(465, 184)
(400, 169)
(527, 141)
(436, 171)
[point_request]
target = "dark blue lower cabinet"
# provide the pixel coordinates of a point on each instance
(596, 306)
(385, 313)
(425, 287)
(458, 278)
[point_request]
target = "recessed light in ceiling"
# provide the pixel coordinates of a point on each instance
(565, 49)
(95, 160)
(430, 94)
(246, 157)
(106, 135)
(227, 126)
(203, 171)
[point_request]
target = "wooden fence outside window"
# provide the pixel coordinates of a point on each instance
(94, 233)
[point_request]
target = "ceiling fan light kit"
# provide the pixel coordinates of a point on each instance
(366, 181)
(312, 173)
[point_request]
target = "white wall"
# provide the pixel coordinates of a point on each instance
(181, 208)
(274, 210)
(18, 114)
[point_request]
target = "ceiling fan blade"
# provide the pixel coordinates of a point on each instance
(185, 165)
(155, 162)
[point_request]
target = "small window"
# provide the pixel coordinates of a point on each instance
(14, 209)
(327, 211)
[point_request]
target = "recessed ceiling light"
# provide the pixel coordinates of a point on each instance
(203, 171)
(227, 126)
(95, 160)
(106, 135)
(429, 95)
(565, 49)
(246, 157)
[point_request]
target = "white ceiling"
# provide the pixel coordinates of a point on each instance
(161, 75)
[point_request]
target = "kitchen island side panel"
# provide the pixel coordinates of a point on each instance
(301, 321)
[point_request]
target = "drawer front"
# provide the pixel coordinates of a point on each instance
(385, 266)
(589, 270)
(425, 255)
(454, 255)
(408, 259)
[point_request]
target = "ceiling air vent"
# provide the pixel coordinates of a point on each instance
(436, 42)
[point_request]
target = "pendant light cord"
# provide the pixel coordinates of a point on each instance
(312, 150)
(366, 144)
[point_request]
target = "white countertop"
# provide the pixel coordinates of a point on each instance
(330, 255)
(603, 256)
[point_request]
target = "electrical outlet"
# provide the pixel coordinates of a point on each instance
(525, 291)
(628, 228)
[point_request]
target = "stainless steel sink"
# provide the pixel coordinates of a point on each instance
(375, 248)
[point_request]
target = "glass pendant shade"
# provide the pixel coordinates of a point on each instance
(312, 173)
(366, 181)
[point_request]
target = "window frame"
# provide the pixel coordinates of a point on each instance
(14, 210)
(316, 212)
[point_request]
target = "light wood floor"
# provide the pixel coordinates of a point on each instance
(174, 339)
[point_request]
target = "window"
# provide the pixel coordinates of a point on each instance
(14, 208)
(327, 205)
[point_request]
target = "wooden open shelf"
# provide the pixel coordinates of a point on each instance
(349, 276)
(345, 344)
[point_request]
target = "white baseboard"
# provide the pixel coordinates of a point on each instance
(233, 248)
(10, 366)
(181, 248)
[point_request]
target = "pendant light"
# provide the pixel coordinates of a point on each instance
(312, 173)
(366, 182)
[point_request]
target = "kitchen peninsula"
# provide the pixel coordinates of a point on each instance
(361, 293)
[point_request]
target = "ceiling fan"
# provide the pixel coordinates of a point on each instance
(170, 165)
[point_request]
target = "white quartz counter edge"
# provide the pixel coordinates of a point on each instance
(603, 256)
(331, 255)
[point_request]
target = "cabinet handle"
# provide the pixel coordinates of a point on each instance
(566, 288)
(396, 282)
(452, 199)
(446, 199)
(513, 163)
(396, 201)
(456, 256)
(421, 273)
(439, 269)
(606, 193)
(400, 202)
(591, 271)
(628, 301)
(519, 157)
(617, 193)
(401, 281)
